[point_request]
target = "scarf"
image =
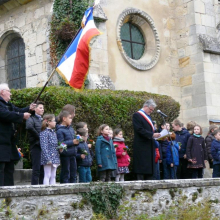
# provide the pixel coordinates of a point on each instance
(117, 139)
(197, 135)
(107, 138)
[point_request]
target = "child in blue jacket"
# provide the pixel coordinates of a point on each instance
(172, 159)
(215, 151)
(84, 158)
(105, 154)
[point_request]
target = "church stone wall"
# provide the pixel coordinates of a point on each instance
(31, 22)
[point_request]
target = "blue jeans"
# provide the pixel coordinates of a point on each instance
(68, 169)
(166, 170)
(157, 171)
(216, 171)
(84, 174)
(173, 172)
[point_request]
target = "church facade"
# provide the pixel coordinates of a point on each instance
(169, 47)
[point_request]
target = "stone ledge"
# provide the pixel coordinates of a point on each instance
(75, 188)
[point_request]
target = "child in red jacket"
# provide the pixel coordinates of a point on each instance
(123, 158)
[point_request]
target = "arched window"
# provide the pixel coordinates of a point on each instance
(132, 41)
(15, 61)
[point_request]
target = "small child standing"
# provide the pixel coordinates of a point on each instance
(215, 150)
(49, 153)
(123, 158)
(84, 159)
(105, 154)
(66, 135)
(172, 157)
(196, 153)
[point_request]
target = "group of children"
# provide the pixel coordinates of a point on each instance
(76, 154)
(184, 153)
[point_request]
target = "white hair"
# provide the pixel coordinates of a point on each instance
(149, 103)
(3, 86)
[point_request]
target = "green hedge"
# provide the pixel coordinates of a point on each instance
(95, 107)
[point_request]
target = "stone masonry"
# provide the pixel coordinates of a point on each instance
(29, 20)
(56, 202)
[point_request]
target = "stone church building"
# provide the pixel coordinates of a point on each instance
(169, 47)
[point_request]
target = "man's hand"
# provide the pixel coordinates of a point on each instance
(156, 135)
(32, 106)
(26, 115)
(75, 141)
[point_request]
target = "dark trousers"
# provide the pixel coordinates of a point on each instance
(37, 168)
(145, 176)
(216, 171)
(166, 169)
(6, 173)
(68, 173)
(182, 171)
(197, 173)
(105, 175)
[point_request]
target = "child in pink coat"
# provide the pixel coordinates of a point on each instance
(123, 158)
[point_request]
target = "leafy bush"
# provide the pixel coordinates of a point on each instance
(96, 107)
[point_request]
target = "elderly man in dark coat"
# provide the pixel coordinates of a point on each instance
(9, 115)
(143, 146)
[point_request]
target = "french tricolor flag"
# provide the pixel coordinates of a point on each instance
(74, 64)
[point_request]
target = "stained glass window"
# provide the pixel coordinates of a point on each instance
(132, 41)
(15, 56)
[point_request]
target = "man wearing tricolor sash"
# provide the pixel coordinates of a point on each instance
(143, 146)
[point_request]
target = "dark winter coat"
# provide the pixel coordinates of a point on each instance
(87, 161)
(172, 154)
(163, 146)
(215, 150)
(105, 154)
(182, 137)
(9, 115)
(196, 151)
(143, 146)
(49, 144)
(33, 126)
(208, 141)
(66, 134)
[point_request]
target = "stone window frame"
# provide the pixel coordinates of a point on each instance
(124, 17)
(5, 39)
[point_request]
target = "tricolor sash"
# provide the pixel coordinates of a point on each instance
(146, 118)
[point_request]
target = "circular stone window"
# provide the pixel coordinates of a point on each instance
(138, 39)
